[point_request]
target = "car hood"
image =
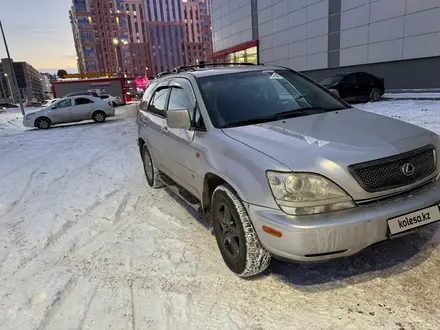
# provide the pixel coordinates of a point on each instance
(335, 139)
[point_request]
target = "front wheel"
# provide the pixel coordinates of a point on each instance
(236, 238)
(375, 95)
(43, 123)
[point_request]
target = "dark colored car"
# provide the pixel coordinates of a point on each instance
(8, 105)
(356, 86)
(82, 93)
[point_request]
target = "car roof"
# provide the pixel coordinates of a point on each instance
(217, 70)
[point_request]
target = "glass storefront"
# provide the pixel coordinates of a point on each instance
(249, 55)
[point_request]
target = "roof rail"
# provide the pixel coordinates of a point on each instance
(160, 74)
(203, 65)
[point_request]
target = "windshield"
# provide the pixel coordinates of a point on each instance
(246, 97)
(331, 80)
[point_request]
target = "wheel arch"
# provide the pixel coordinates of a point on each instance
(212, 181)
(141, 143)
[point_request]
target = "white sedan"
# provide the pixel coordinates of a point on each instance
(114, 101)
(68, 110)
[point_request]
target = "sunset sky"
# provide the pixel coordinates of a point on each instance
(39, 33)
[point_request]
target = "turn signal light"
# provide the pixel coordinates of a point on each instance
(272, 231)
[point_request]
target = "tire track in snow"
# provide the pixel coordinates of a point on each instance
(57, 303)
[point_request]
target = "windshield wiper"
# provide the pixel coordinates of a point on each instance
(256, 120)
(306, 111)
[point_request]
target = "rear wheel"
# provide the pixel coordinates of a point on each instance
(99, 116)
(43, 123)
(114, 105)
(151, 172)
(236, 237)
(375, 95)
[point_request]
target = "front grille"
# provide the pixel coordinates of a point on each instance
(387, 173)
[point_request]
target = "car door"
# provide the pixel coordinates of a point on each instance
(60, 112)
(179, 152)
(349, 90)
(152, 123)
(82, 109)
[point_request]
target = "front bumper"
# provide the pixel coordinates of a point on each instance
(29, 122)
(336, 234)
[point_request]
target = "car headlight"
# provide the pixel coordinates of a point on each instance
(307, 193)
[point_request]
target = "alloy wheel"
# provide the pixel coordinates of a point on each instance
(229, 237)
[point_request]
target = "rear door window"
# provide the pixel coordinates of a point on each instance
(82, 100)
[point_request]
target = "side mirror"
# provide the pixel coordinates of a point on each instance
(334, 91)
(53, 107)
(178, 118)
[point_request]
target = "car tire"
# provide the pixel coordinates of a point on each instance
(375, 95)
(99, 116)
(236, 238)
(114, 105)
(150, 170)
(43, 123)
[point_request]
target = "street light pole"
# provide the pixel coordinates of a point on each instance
(17, 91)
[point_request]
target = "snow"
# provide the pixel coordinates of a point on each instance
(86, 244)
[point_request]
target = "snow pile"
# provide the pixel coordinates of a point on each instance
(423, 113)
(11, 121)
(414, 96)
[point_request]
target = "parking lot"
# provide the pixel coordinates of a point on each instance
(87, 244)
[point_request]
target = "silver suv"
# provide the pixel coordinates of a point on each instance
(282, 166)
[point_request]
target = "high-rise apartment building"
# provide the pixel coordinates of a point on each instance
(139, 37)
(29, 80)
(205, 22)
(198, 30)
(166, 33)
(193, 25)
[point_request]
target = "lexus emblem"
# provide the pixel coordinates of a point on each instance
(408, 169)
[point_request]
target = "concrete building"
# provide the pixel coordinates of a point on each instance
(398, 40)
(29, 80)
(5, 87)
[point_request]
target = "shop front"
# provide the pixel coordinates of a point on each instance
(243, 53)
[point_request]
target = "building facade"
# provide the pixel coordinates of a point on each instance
(29, 80)
(398, 40)
(198, 31)
(138, 37)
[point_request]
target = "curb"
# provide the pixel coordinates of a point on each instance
(411, 98)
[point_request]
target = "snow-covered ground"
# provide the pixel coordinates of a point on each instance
(86, 244)
(415, 96)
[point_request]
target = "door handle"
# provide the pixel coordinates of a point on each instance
(164, 130)
(356, 86)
